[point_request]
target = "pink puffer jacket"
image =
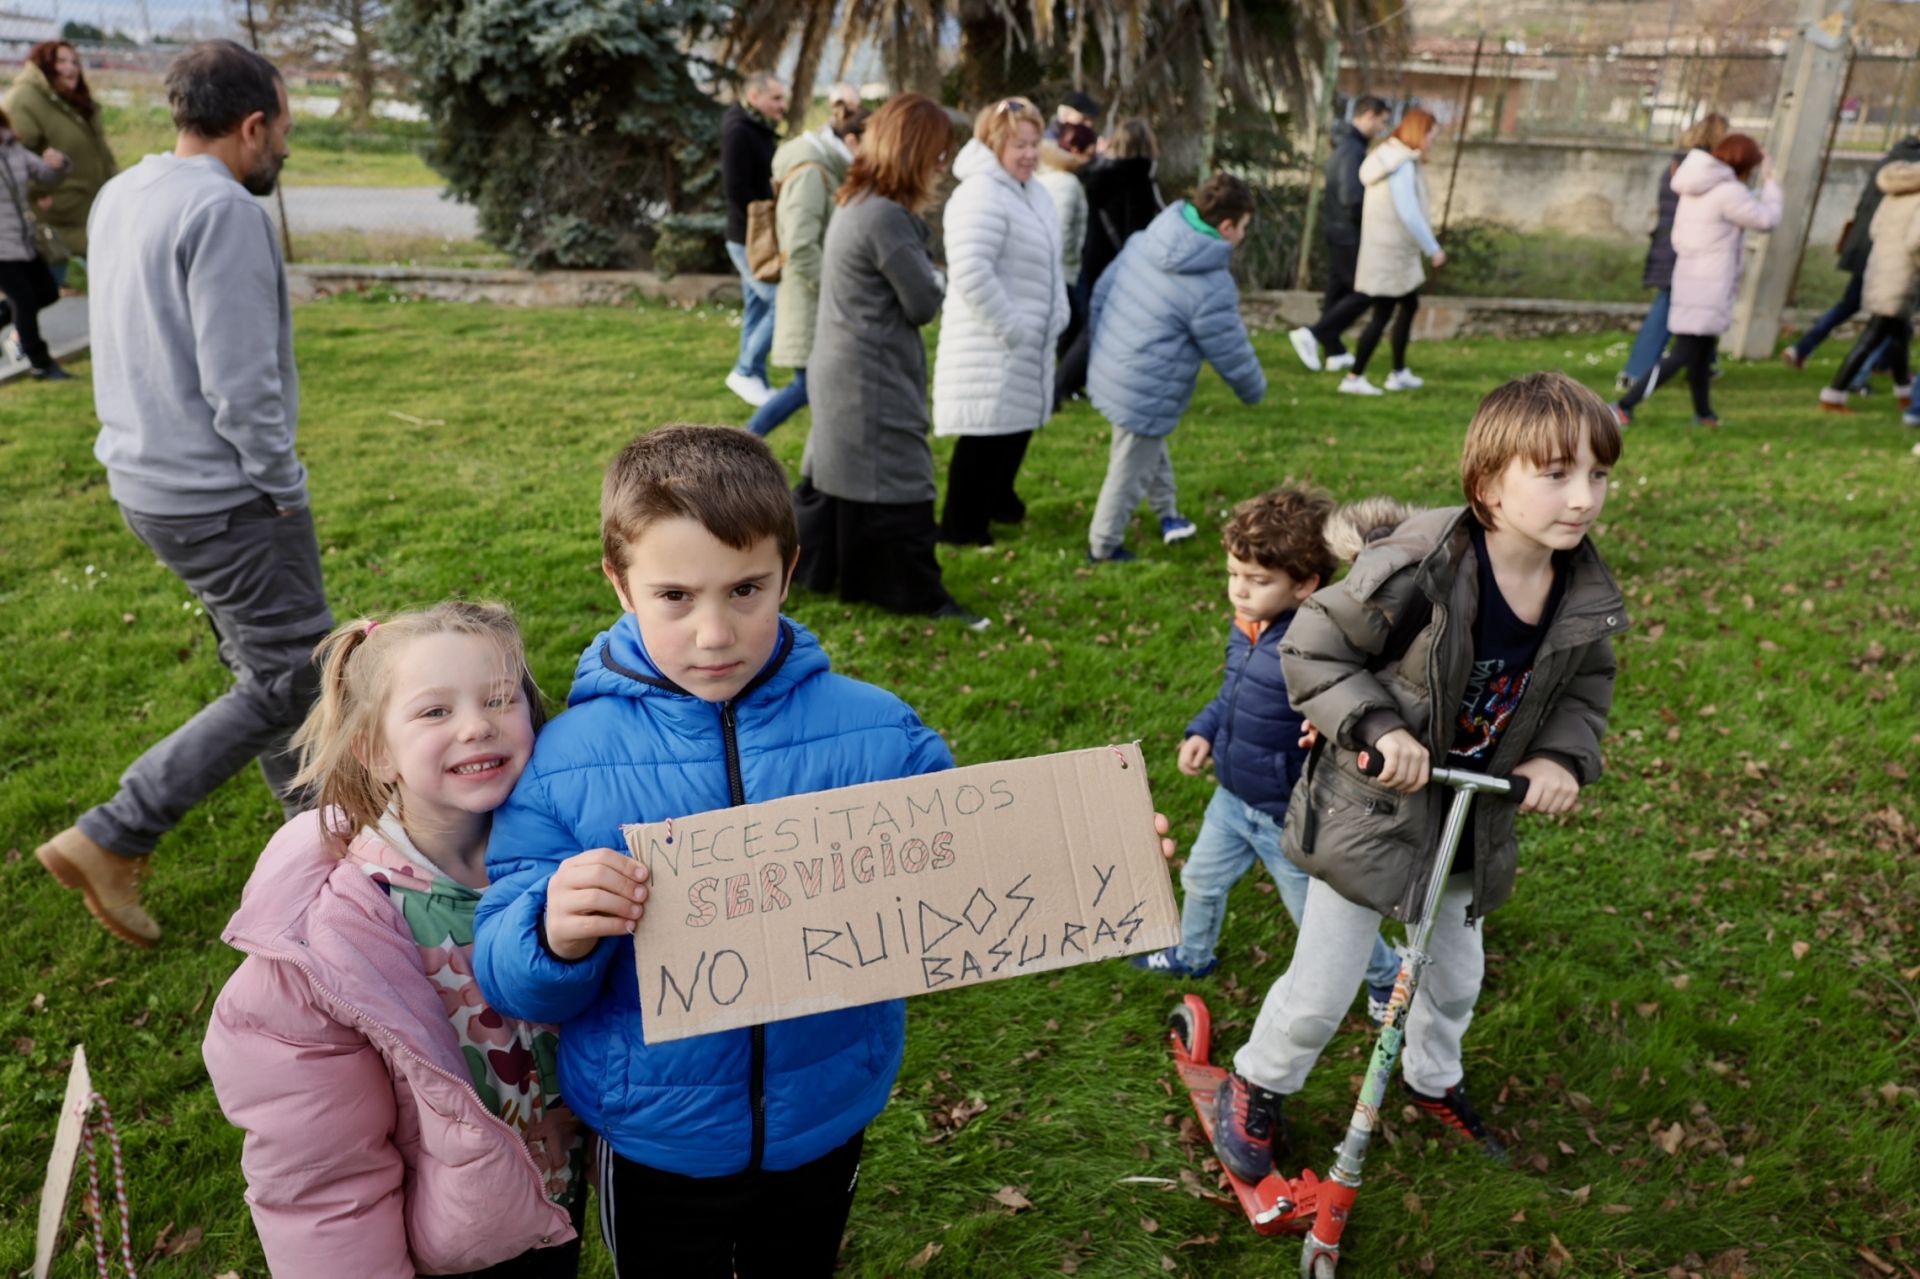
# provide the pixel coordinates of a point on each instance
(1709, 232)
(367, 1152)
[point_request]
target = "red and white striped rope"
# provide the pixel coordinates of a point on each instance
(96, 1102)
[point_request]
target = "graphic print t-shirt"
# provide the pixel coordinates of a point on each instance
(1504, 648)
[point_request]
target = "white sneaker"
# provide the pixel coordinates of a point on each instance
(10, 344)
(1344, 360)
(1403, 380)
(1305, 347)
(750, 389)
(1354, 384)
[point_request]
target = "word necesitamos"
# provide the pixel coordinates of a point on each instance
(856, 843)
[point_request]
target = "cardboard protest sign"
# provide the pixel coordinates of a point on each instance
(873, 892)
(60, 1165)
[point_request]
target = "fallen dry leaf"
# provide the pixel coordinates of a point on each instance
(1800, 949)
(1149, 1225)
(920, 1259)
(1670, 1140)
(1012, 1198)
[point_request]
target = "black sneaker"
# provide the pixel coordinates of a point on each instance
(1454, 1109)
(1247, 1125)
(52, 373)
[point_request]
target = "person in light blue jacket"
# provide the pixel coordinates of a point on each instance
(734, 1152)
(1167, 303)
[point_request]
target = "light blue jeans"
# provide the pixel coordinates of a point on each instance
(1651, 341)
(1232, 835)
(756, 326)
(785, 402)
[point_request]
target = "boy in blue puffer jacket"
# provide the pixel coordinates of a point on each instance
(1277, 555)
(735, 1152)
(1167, 303)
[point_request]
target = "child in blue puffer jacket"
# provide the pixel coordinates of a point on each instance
(1277, 555)
(735, 1152)
(1166, 304)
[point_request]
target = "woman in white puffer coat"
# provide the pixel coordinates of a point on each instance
(1006, 308)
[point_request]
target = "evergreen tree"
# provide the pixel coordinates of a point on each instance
(573, 126)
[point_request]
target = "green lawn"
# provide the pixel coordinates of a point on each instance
(1698, 1025)
(326, 152)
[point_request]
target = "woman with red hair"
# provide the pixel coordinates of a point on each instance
(51, 106)
(865, 502)
(1716, 211)
(1396, 232)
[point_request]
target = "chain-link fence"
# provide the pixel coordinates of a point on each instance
(357, 186)
(1492, 91)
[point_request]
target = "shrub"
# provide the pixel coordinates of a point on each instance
(573, 126)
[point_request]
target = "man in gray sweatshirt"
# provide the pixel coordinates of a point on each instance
(197, 395)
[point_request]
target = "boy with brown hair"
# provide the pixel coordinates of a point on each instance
(1483, 634)
(1277, 556)
(735, 1152)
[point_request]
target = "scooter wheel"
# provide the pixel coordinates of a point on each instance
(1180, 1023)
(1323, 1267)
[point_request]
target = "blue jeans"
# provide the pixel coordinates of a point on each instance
(786, 401)
(1845, 309)
(1233, 833)
(1651, 340)
(756, 326)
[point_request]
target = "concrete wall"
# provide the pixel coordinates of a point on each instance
(1600, 189)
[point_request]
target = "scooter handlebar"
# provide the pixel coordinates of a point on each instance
(1511, 786)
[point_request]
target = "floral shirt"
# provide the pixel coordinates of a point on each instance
(512, 1063)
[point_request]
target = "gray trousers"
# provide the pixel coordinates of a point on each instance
(257, 573)
(1305, 1006)
(1137, 466)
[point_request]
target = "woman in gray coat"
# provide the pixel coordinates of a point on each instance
(865, 501)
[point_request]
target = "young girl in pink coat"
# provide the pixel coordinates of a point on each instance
(395, 1124)
(1716, 210)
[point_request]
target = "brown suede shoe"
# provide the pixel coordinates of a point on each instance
(109, 882)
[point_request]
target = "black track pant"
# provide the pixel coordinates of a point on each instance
(753, 1225)
(28, 287)
(1342, 260)
(980, 487)
(1692, 352)
(1897, 332)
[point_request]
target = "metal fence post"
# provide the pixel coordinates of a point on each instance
(1329, 75)
(1460, 144)
(279, 190)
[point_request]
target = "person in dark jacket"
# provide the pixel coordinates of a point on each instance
(1854, 252)
(748, 139)
(1340, 218)
(1076, 108)
(1651, 341)
(734, 1152)
(1123, 197)
(867, 489)
(1277, 556)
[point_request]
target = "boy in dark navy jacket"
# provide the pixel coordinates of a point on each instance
(733, 1153)
(1277, 555)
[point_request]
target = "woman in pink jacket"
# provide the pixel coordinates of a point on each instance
(1716, 211)
(395, 1124)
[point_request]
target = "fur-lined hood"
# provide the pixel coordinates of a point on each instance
(1357, 525)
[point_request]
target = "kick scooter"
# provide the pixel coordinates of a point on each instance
(1279, 1204)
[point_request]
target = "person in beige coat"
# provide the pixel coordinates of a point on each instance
(807, 171)
(1887, 289)
(1396, 233)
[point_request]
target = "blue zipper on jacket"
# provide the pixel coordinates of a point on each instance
(757, 1035)
(1220, 764)
(736, 795)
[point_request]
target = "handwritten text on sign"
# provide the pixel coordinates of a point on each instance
(873, 892)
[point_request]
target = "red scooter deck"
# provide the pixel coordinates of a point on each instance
(1276, 1205)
